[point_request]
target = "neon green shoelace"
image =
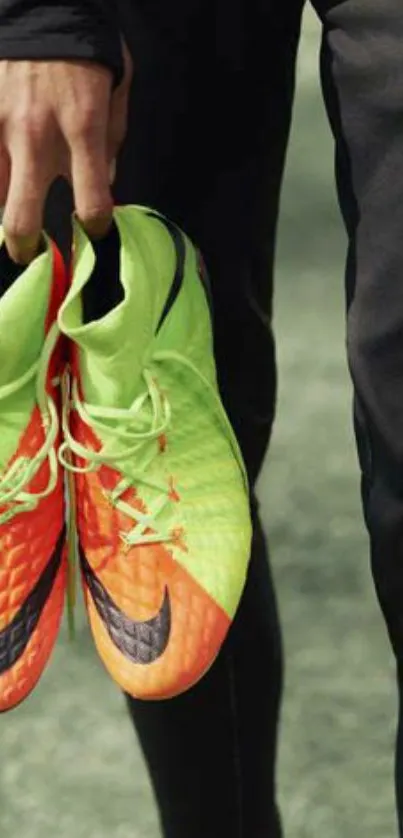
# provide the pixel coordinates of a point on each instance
(129, 439)
(16, 478)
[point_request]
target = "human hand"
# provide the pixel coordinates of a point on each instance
(58, 118)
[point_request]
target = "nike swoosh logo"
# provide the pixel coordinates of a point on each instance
(142, 642)
(15, 637)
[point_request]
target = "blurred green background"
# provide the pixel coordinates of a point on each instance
(70, 766)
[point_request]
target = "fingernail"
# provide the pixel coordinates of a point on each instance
(24, 251)
(98, 229)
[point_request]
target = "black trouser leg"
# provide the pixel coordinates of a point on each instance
(209, 125)
(363, 83)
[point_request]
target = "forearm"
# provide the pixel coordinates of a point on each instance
(71, 29)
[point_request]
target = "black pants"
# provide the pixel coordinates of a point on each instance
(208, 132)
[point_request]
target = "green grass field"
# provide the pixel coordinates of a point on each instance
(70, 767)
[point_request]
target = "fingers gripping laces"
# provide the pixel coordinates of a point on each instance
(14, 495)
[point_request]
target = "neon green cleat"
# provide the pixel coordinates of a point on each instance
(33, 564)
(161, 492)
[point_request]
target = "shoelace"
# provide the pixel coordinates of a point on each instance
(128, 430)
(125, 428)
(13, 481)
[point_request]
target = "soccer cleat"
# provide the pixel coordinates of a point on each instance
(162, 499)
(32, 538)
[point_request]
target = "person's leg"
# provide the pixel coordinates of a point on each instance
(362, 61)
(208, 130)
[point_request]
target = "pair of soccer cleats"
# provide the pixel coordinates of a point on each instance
(108, 386)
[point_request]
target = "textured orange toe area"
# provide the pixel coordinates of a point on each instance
(26, 644)
(155, 629)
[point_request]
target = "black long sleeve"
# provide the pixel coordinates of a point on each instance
(81, 29)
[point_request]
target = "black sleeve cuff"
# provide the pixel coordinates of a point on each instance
(72, 29)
